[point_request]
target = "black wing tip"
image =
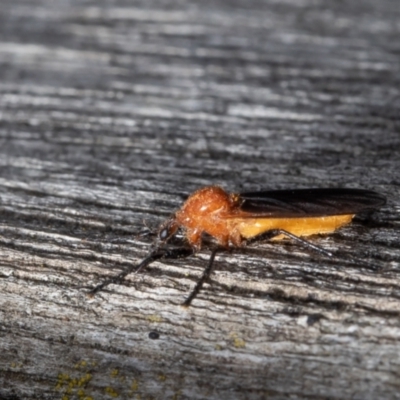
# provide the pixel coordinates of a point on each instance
(380, 200)
(317, 192)
(323, 201)
(374, 199)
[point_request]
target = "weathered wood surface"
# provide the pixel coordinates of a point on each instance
(110, 112)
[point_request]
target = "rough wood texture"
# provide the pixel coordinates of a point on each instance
(110, 112)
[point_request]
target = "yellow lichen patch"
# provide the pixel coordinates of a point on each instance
(176, 395)
(84, 380)
(114, 373)
(81, 394)
(73, 382)
(162, 377)
(237, 342)
(62, 379)
(154, 318)
(134, 388)
(81, 364)
(135, 385)
(111, 392)
(15, 365)
(73, 385)
(85, 364)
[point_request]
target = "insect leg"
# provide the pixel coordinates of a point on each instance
(203, 278)
(154, 255)
(276, 232)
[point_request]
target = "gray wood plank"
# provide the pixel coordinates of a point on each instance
(111, 113)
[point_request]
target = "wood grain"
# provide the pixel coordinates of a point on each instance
(111, 113)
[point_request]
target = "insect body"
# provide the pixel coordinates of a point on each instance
(232, 219)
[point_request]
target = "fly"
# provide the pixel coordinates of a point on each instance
(235, 219)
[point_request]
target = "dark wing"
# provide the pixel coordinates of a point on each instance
(309, 202)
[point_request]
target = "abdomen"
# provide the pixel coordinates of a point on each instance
(250, 227)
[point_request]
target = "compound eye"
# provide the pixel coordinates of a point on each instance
(164, 234)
